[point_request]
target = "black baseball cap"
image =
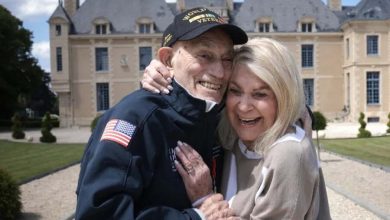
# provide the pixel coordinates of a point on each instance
(194, 22)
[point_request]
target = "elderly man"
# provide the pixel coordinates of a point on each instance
(129, 168)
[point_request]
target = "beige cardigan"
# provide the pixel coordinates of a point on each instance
(287, 183)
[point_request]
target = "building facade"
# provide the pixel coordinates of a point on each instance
(99, 50)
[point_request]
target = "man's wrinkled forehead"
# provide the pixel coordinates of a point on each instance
(212, 39)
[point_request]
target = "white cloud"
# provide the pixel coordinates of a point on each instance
(41, 51)
(31, 8)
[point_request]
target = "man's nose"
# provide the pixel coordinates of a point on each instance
(218, 69)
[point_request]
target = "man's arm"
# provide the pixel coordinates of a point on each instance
(113, 177)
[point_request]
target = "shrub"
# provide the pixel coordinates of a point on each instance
(17, 131)
(95, 121)
(10, 205)
(388, 123)
(319, 123)
(363, 133)
(47, 136)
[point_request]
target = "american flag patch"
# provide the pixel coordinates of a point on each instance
(118, 131)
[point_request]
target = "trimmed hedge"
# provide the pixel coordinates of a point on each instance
(363, 133)
(47, 136)
(10, 205)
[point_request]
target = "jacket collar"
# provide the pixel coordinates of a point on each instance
(188, 105)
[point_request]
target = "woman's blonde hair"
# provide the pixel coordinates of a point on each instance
(275, 65)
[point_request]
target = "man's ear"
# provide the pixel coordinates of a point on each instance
(165, 55)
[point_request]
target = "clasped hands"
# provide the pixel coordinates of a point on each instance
(198, 184)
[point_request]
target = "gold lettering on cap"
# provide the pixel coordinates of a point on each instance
(206, 18)
(191, 13)
(167, 39)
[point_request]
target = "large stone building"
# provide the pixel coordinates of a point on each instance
(99, 50)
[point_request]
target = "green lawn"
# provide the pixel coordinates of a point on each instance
(27, 160)
(375, 150)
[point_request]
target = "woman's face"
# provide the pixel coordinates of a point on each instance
(251, 104)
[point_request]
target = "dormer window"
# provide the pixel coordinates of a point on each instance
(145, 25)
(145, 28)
(264, 25)
(101, 26)
(307, 25)
(101, 29)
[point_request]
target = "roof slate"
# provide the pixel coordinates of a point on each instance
(286, 16)
(368, 10)
(205, 3)
(122, 14)
(60, 13)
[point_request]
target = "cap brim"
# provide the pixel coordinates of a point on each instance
(237, 35)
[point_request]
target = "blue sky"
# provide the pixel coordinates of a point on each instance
(35, 13)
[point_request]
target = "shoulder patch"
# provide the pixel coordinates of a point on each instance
(118, 131)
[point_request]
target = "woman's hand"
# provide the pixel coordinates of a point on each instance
(195, 173)
(157, 78)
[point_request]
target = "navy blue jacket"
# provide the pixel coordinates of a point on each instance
(138, 180)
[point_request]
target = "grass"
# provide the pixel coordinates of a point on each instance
(25, 161)
(374, 150)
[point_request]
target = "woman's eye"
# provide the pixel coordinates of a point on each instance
(259, 94)
(234, 91)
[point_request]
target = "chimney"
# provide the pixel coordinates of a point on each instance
(229, 4)
(180, 5)
(334, 5)
(71, 6)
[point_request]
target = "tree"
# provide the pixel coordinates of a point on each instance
(43, 98)
(20, 73)
(388, 124)
(17, 130)
(363, 133)
(319, 124)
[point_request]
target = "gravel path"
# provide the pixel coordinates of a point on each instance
(355, 191)
(365, 184)
(53, 196)
(342, 208)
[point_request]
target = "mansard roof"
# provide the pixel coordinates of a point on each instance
(60, 13)
(367, 10)
(286, 16)
(122, 14)
(205, 3)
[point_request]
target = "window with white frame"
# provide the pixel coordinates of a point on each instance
(145, 56)
(307, 55)
(101, 28)
(145, 28)
(372, 89)
(308, 86)
(264, 27)
(372, 45)
(102, 96)
(306, 27)
(347, 47)
(59, 59)
(101, 58)
(145, 25)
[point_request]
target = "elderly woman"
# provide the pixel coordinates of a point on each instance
(271, 170)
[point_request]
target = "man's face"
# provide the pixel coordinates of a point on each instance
(203, 65)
